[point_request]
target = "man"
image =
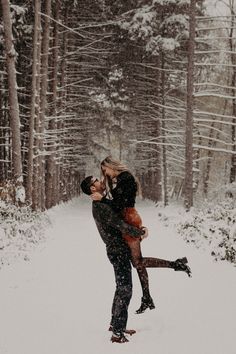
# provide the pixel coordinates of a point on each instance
(111, 227)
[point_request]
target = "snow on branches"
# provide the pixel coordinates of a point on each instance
(113, 96)
(162, 25)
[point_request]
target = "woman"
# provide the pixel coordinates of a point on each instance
(123, 188)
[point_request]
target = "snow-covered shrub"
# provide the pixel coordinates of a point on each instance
(226, 191)
(211, 227)
(21, 229)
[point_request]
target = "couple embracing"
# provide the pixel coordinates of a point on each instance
(120, 227)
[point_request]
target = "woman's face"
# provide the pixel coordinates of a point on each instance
(107, 171)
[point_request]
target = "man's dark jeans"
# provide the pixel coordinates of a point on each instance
(122, 268)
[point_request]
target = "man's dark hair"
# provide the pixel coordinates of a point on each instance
(86, 185)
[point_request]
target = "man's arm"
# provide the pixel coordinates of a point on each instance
(107, 215)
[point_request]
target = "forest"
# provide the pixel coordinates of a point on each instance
(151, 82)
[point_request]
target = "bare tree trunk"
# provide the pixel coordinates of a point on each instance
(51, 179)
(158, 178)
(164, 159)
(196, 157)
(62, 100)
(43, 99)
(156, 195)
(2, 129)
(233, 83)
(35, 77)
(209, 158)
(210, 153)
(36, 200)
(189, 116)
(12, 91)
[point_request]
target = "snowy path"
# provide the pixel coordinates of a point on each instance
(59, 302)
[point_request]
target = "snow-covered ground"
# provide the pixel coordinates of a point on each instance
(59, 301)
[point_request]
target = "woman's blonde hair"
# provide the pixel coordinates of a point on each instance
(118, 166)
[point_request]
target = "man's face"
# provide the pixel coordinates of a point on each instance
(96, 185)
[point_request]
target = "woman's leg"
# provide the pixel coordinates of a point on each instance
(141, 263)
(136, 258)
(150, 262)
(132, 217)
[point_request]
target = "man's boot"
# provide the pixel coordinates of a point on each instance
(126, 331)
(118, 337)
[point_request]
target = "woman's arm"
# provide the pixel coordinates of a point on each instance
(105, 215)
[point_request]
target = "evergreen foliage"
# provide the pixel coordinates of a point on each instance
(109, 77)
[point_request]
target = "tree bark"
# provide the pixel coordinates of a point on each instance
(12, 92)
(51, 180)
(2, 130)
(156, 173)
(43, 100)
(188, 189)
(35, 93)
(163, 125)
(36, 200)
(62, 102)
(233, 83)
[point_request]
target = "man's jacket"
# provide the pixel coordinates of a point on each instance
(111, 227)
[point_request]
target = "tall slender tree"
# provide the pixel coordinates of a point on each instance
(34, 95)
(188, 189)
(12, 93)
(51, 179)
(233, 85)
(43, 99)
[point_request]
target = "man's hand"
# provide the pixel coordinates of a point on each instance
(145, 235)
(96, 196)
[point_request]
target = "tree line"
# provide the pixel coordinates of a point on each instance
(151, 82)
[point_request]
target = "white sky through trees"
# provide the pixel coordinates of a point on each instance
(217, 7)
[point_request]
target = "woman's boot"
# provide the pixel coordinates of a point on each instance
(146, 302)
(181, 265)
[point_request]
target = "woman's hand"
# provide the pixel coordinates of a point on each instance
(96, 196)
(145, 235)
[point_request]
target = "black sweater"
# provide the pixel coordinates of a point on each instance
(124, 193)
